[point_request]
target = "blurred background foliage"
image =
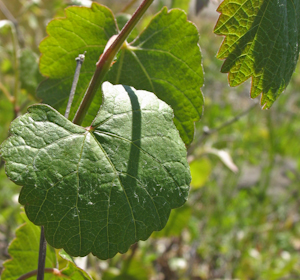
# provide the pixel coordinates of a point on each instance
(242, 217)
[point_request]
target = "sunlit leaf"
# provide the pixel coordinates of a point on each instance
(83, 30)
(262, 42)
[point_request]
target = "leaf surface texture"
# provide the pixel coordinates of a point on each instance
(261, 42)
(99, 189)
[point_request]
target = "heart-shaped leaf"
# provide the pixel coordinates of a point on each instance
(165, 59)
(102, 188)
(262, 42)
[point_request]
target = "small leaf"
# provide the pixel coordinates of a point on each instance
(262, 42)
(24, 251)
(102, 188)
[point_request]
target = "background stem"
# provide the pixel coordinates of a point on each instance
(79, 61)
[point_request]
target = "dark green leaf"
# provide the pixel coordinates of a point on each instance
(262, 42)
(102, 188)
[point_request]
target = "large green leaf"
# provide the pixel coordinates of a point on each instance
(102, 188)
(164, 59)
(24, 251)
(262, 42)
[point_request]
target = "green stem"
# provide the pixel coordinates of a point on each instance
(106, 60)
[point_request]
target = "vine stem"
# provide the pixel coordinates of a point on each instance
(42, 256)
(106, 60)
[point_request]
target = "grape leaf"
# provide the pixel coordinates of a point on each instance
(164, 59)
(102, 188)
(262, 42)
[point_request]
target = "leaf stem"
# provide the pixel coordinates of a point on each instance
(53, 271)
(79, 61)
(42, 256)
(106, 60)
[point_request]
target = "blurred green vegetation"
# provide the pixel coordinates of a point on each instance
(237, 224)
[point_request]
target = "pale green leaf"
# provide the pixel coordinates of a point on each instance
(102, 188)
(83, 30)
(24, 251)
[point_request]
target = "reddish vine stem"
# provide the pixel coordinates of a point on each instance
(106, 60)
(53, 271)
